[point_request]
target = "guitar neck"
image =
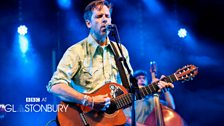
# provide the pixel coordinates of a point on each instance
(152, 88)
(124, 101)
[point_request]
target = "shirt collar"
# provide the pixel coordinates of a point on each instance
(94, 45)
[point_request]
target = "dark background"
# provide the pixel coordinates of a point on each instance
(148, 28)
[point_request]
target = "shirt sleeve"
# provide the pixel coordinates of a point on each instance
(66, 69)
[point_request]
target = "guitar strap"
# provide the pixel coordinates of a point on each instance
(120, 67)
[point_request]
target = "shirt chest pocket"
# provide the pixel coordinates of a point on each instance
(88, 71)
(88, 74)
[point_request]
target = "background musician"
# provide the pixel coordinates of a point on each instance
(144, 107)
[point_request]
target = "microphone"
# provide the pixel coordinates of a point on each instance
(110, 27)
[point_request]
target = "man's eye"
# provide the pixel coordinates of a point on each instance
(108, 16)
(98, 16)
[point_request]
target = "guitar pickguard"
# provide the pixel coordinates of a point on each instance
(115, 90)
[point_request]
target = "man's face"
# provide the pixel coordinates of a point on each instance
(141, 80)
(99, 20)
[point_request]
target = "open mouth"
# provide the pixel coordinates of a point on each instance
(103, 28)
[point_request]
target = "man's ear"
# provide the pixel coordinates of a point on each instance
(88, 23)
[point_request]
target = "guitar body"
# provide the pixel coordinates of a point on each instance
(94, 118)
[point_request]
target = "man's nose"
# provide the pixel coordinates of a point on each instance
(104, 20)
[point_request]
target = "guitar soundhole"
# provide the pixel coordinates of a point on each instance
(112, 108)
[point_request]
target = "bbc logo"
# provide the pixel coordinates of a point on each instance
(32, 99)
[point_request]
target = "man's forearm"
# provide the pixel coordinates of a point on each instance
(66, 93)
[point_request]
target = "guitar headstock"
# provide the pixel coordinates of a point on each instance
(186, 73)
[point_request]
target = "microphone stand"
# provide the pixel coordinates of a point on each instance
(134, 86)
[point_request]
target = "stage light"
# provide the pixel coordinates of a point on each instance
(22, 30)
(65, 4)
(23, 43)
(182, 32)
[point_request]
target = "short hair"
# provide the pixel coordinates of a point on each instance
(140, 72)
(89, 8)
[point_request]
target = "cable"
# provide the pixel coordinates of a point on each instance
(49, 122)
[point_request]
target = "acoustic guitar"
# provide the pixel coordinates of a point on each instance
(79, 115)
